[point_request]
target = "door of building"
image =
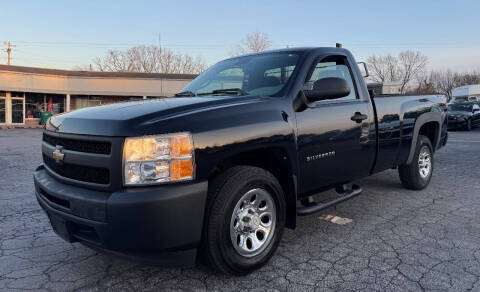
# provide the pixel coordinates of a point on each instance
(17, 110)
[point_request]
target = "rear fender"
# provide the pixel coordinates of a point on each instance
(422, 120)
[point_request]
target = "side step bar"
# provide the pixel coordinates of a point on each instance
(311, 206)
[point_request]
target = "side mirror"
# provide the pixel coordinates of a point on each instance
(363, 69)
(327, 88)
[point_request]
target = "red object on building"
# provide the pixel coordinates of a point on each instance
(50, 105)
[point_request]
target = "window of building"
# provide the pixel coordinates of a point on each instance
(56, 103)
(17, 94)
(35, 103)
(2, 110)
(82, 101)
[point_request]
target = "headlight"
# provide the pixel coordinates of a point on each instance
(158, 159)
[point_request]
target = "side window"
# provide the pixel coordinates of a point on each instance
(333, 67)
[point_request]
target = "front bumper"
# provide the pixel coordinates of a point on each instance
(456, 124)
(159, 225)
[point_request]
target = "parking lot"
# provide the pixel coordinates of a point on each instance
(397, 239)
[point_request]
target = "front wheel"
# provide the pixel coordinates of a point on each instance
(468, 127)
(245, 219)
(417, 175)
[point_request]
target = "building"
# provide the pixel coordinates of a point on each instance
(466, 93)
(25, 92)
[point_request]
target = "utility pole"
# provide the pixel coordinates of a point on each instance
(9, 51)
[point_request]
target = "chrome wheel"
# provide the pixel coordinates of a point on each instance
(425, 162)
(253, 222)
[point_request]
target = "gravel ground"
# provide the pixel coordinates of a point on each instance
(397, 239)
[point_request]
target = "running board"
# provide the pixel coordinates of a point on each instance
(344, 194)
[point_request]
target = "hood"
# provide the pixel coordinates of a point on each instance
(459, 113)
(134, 118)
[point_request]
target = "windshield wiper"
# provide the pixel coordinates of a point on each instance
(187, 93)
(236, 91)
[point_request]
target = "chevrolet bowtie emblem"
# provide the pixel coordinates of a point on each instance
(58, 155)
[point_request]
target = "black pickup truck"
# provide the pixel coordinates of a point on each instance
(230, 161)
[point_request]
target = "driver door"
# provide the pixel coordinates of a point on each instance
(333, 148)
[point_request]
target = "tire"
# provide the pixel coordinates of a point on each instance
(413, 176)
(468, 127)
(228, 192)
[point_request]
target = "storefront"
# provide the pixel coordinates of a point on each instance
(26, 93)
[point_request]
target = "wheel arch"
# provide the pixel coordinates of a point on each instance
(429, 125)
(277, 161)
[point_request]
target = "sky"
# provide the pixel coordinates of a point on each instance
(67, 34)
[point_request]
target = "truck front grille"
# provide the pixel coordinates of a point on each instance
(98, 147)
(78, 172)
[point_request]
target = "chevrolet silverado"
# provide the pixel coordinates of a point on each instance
(217, 172)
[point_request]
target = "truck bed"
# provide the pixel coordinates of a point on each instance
(396, 117)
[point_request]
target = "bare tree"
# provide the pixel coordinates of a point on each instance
(149, 59)
(467, 78)
(383, 68)
(411, 64)
(405, 68)
(443, 81)
(252, 43)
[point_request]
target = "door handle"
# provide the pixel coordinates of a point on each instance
(358, 117)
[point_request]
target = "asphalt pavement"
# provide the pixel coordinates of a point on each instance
(388, 238)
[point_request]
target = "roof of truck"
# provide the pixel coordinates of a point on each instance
(293, 49)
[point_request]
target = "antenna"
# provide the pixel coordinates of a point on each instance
(338, 45)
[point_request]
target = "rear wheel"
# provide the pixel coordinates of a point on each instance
(244, 221)
(417, 175)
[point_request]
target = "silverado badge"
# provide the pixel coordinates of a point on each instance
(320, 156)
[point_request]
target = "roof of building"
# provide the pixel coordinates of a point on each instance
(72, 73)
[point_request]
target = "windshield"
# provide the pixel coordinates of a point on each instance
(264, 74)
(460, 107)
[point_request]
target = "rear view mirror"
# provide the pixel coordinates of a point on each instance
(327, 88)
(363, 69)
